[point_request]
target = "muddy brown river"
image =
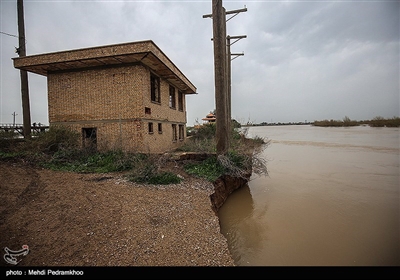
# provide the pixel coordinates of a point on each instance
(331, 199)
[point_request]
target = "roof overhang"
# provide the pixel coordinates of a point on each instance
(144, 52)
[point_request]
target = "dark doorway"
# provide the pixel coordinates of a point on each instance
(89, 138)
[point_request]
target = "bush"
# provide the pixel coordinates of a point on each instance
(381, 122)
(348, 122)
(147, 171)
(393, 122)
(55, 139)
(8, 141)
(210, 169)
(142, 171)
(243, 158)
(205, 131)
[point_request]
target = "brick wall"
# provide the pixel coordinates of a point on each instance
(99, 94)
(116, 101)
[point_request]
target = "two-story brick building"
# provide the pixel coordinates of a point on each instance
(126, 96)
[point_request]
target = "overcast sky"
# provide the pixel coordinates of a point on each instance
(303, 60)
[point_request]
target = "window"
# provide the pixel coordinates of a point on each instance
(181, 132)
(147, 110)
(155, 88)
(172, 97)
(160, 128)
(150, 127)
(174, 133)
(180, 101)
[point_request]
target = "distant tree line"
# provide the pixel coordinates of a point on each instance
(375, 122)
(346, 122)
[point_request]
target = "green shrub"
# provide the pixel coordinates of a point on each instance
(205, 131)
(238, 161)
(142, 171)
(233, 163)
(209, 168)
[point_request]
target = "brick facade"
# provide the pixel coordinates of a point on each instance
(111, 104)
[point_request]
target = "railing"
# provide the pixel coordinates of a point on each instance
(19, 128)
(10, 125)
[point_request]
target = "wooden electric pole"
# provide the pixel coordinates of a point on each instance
(229, 72)
(14, 114)
(219, 39)
(222, 66)
(26, 112)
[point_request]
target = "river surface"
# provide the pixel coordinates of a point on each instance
(331, 198)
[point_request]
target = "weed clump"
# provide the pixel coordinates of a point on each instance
(210, 169)
(243, 158)
(148, 170)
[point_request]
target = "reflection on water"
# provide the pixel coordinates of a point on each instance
(331, 198)
(244, 228)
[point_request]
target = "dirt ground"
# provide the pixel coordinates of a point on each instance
(72, 219)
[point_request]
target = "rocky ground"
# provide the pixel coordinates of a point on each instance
(72, 219)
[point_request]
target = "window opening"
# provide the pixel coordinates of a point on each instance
(174, 133)
(180, 101)
(172, 101)
(155, 88)
(147, 110)
(181, 132)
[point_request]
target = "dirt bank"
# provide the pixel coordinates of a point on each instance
(71, 219)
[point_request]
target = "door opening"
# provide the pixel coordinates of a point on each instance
(89, 138)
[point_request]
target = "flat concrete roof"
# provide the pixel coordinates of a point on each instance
(145, 52)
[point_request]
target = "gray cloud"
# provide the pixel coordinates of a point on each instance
(303, 60)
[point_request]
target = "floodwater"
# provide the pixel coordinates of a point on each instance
(331, 199)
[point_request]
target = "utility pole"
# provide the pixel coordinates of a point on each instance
(222, 62)
(26, 112)
(229, 71)
(219, 35)
(14, 114)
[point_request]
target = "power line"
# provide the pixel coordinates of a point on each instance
(9, 34)
(12, 35)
